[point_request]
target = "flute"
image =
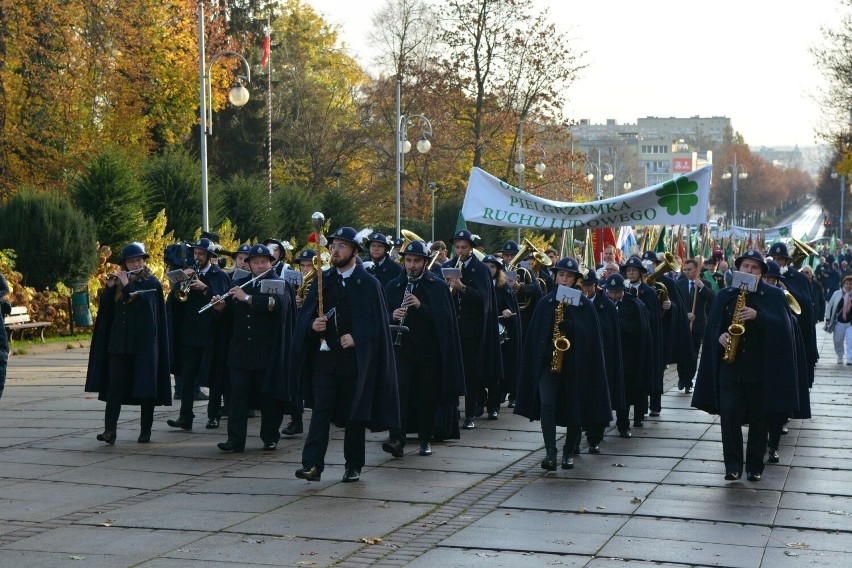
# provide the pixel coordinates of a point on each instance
(229, 293)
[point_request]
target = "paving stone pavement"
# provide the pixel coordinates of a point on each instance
(658, 499)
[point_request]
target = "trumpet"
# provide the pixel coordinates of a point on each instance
(182, 291)
(228, 294)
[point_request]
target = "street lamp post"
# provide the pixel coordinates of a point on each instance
(734, 172)
(433, 186)
(403, 146)
(842, 194)
(238, 96)
(520, 167)
(596, 168)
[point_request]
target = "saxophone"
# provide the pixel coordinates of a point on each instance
(736, 329)
(560, 342)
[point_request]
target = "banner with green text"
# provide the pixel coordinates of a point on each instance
(681, 201)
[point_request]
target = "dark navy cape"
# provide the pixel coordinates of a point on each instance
(587, 403)
(388, 271)
(276, 379)
(656, 369)
(489, 362)
(446, 327)
(511, 348)
(147, 315)
(635, 350)
(800, 287)
(611, 339)
(376, 401)
(780, 373)
(677, 337)
(449, 353)
(218, 283)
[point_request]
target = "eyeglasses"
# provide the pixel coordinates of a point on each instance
(338, 246)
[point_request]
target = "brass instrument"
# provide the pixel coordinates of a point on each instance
(560, 342)
(669, 264)
(302, 290)
(182, 291)
(803, 251)
(529, 275)
(792, 303)
(736, 329)
(318, 220)
(435, 256)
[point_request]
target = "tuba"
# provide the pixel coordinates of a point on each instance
(302, 290)
(669, 263)
(803, 251)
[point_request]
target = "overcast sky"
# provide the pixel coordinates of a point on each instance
(744, 59)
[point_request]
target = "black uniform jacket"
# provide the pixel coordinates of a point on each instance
(583, 396)
(436, 300)
(800, 287)
(260, 338)
(479, 295)
(779, 371)
(376, 401)
(188, 327)
(702, 297)
(387, 271)
(135, 325)
(648, 296)
(635, 338)
(611, 339)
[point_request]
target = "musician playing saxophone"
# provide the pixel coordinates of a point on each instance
(576, 393)
(429, 367)
(762, 375)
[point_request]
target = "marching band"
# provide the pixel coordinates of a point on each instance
(408, 338)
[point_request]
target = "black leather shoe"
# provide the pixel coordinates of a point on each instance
(773, 456)
(144, 437)
(229, 447)
(468, 424)
(567, 459)
(351, 475)
(212, 423)
(625, 433)
(637, 423)
(394, 448)
(492, 415)
(654, 413)
(107, 436)
(784, 430)
(594, 449)
(200, 395)
(549, 461)
(753, 477)
(511, 403)
(425, 448)
(270, 446)
(293, 428)
(181, 423)
(687, 390)
(309, 473)
(734, 476)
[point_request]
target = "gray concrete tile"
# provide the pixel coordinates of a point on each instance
(815, 502)
(458, 558)
(410, 485)
(36, 559)
(773, 479)
(683, 551)
(59, 457)
(257, 550)
(823, 520)
(97, 475)
(565, 494)
(165, 464)
(152, 515)
(813, 539)
(696, 531)
(41, 500)
(352, 518)
(795, 558)
(538, 531)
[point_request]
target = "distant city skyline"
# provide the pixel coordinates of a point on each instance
(748, 61)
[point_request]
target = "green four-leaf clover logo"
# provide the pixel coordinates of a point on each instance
(784, 231)
(678, 196)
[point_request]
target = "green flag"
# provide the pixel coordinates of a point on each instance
(661, 241)
(461, 224)
(832, 248)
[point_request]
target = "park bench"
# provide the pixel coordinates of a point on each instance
(19, 320)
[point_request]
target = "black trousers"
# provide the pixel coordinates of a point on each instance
(548, 388)
(122, 374)
(473, 387)
(220, 397)
(418, 381)
(243, 383)
(686, 371)
(742, 403)
(633, 397)
(333, 393)
(190, 361)
(774, 423)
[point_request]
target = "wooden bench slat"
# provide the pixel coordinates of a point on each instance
(9, 320)
(19, 319)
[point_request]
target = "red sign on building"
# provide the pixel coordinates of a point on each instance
(682, 165)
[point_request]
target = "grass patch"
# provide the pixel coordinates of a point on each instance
(20, 345)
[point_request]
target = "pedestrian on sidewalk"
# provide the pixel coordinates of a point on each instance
(129, 356)
(838, 320)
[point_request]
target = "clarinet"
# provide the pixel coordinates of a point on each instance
(409, 288)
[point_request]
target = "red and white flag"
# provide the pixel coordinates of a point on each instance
(264, 60)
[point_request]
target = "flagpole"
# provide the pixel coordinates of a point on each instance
(269, 105)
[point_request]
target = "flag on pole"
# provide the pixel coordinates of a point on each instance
(461, 224)
(660, 245)
(264, 59)
(626, 241)
(589, 250)
(680, 250)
